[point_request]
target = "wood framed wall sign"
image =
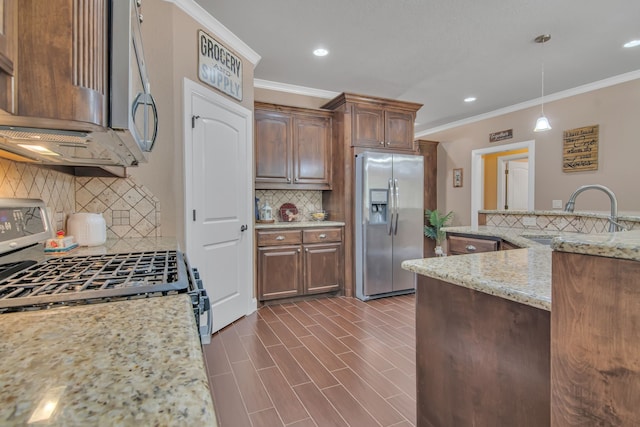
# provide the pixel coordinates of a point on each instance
(501, 135)
(457, 177)
(580, 149)
(218, 67)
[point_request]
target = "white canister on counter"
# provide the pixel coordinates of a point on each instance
(89, 229)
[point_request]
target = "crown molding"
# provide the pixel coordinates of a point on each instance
(197, 12)
(589, 87)
(298, 90)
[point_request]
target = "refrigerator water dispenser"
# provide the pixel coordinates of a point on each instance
(378, 204)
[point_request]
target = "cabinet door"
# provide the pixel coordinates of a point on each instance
(466, 245)
(8, 40)
(322, 268)
(398, 130)
(279, 270)
(312, 151)
(272, 148)
(368, 126)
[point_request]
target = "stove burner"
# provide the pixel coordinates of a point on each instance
(79, 279)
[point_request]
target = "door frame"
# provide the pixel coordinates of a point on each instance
(188, 89)
(502, 162)
(477, 174)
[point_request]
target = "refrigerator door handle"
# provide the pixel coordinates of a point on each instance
(390, 208)
(396, 205)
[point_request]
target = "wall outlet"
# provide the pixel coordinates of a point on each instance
(529, 221)
(556, 204)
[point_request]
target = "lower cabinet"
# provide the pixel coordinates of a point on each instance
(296, 262)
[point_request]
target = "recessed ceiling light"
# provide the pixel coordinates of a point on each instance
(470, 99)
(321, 52)
(632, 43)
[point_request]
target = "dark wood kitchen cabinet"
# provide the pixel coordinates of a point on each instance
(382, 128)
(8, 52)
(292, 148)
(65, 76)
(460, 244)
(298, 262)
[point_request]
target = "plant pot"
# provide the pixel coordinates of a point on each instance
(439, 252)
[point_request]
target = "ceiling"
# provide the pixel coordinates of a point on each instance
(437, 52)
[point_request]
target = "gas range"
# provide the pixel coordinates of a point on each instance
(71, 280)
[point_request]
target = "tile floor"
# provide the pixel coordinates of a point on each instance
(327, 362)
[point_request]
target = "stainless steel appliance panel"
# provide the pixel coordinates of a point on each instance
(389, 222)
(408, 176)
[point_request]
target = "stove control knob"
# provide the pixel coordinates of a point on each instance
(196, 273)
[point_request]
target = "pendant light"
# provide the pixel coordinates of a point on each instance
(542, 123)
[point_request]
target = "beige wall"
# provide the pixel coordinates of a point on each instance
(290, 99)
(170, 43)
(615, 109)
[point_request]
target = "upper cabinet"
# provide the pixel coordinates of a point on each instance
(292, 148)
(378, 123)
(68, 72)
(8, 50)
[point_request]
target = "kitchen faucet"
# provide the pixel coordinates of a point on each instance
(613, 218)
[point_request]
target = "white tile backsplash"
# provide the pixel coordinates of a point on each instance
(306, 201)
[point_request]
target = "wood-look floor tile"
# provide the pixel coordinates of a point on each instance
(268, 417)
(380, 332)
(350, 314)
(246, 325)
(402, 334)
(318, 406)
(322, 308)
(286, 336)
(301, 316)
(378, 407)
(304, 423)
(408, 367)
(403, 424)
(253, 393)
(309, 309)
(233, 346)
(405, 406)
(266, 334)
(296, 327)
(284, 399)
(268, 315)
(401, 380)
(319, 350)
(363, 349)
(216, 356)
(349, 327)
(348, 407)
(226, 395)
(290, 368)
(375, 379)
(312, 366)
(326, 338)
(333, 328)
(257, 352)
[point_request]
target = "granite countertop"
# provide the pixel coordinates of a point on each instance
(622, 245)
(127, 363)
(622, 216)
(521, 275)
(300, 224)
(517, 236)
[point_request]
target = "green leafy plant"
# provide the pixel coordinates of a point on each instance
(436, 222)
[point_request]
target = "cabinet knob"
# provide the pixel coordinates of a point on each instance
(280, 238)
(299, 250)
(381, 142)
(470, 248)
(296, 180)
(322, 236)
(288, 179)
(306, 249)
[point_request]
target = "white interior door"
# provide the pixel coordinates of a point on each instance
(513, 182)
(219, 221)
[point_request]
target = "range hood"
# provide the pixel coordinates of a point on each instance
(89, 107)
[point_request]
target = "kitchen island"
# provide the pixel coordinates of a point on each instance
(131, 362)
(490, 327)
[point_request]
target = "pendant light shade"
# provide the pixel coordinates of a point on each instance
(542, 124)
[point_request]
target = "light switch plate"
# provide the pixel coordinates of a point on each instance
(556, 204)
(529, 221)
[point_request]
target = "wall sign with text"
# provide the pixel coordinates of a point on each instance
(218, 67)
(580, 149)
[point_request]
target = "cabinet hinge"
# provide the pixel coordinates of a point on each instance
(193, 121)
(194, 214)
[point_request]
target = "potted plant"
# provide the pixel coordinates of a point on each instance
(434, 230)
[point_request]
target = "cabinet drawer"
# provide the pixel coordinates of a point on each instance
(282, 237)
(321, 235)
(466, 245)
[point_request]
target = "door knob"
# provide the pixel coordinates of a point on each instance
(243, 228)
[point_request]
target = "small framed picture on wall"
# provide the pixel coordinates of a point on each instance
(457, 177)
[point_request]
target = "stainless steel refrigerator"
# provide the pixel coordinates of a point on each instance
(389, 222)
